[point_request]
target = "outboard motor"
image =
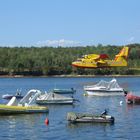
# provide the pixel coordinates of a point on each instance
(104, 112)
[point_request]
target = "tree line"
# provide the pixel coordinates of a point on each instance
(47, 61)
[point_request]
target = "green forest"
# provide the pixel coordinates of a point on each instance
(49, 61)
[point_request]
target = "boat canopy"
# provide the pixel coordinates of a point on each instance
(106, 85)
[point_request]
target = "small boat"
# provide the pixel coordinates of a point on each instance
(89, 118)
(53, 98)
(104, 88)
(25, 105)
(64, 91)
(9, 96)
(8, 110)
(132, 99)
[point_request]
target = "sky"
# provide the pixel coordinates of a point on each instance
(69, 22)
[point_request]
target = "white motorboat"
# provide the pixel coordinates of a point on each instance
(53, 98)
(104, 88)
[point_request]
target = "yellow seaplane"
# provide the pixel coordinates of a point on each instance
(102, 60)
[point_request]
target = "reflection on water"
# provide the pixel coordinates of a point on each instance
(80, 125)
(29, 120)
(90, 130)
(16, 126)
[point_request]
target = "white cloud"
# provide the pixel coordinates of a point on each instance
(61, 42)
(131, 39)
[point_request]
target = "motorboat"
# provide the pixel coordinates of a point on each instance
(73, 117)
(9, 96)
(26, 105)
(132, 99)
(104, 88)
(64, 91)
(54, 98)
(18, 95)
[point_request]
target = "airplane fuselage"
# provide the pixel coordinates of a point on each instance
(99, 64)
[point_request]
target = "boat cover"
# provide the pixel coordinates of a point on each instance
(73, 116)
(106, 85)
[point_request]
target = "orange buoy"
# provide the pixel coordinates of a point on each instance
(46, 121)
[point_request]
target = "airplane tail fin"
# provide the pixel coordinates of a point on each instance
(123, 54)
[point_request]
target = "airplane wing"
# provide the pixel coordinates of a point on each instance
(101, 62)
(93, 56)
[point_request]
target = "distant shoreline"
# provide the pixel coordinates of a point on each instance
(67, 76)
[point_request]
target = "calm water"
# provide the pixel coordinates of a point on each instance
(32, 127)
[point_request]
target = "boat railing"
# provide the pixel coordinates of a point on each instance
(33, 99)
(102, 83)
(30, 97)
(47, 96)
(113, 84)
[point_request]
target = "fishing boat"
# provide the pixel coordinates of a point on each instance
(54, 98)
(104, 88)
(25, 105)
(73, 117)
(132, 99)
(18, 95)
(64, 91)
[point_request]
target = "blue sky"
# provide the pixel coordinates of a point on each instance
(69, 22)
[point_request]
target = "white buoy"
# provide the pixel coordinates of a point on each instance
(121, 102)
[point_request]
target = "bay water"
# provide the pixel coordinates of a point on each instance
(33, 127)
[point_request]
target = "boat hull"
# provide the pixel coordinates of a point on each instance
(43, 102)
(93, 120)
(132, 99)
(104, 93)
(7, 110)
(64, 91)
(84, 118)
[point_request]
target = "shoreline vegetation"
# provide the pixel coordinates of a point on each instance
(56, 62)
(68, 76)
